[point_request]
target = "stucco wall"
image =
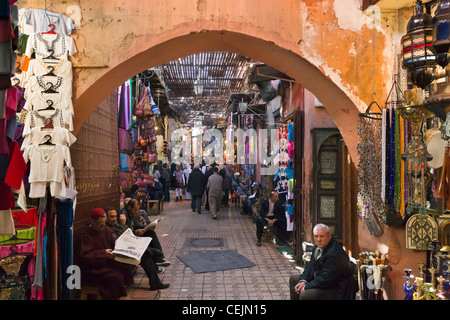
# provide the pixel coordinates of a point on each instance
(321, 44)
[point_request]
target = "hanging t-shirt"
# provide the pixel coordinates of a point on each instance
(38, 20)
(59, 118)
(40, 101)
(47, 162)
(281, 184)
(46, 83)
(43, 45)
(58, 135)
(41, 67)
(47, 166)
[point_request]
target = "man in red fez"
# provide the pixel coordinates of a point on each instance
(93, 246)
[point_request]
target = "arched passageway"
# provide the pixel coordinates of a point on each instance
(340, 106)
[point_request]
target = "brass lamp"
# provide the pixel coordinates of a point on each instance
(417, 56)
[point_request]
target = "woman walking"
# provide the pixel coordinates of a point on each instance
(180, 183)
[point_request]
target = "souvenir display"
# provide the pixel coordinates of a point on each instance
(371, 269)
(138, 140)
(371, 205)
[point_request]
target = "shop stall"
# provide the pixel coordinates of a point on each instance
(38, 181)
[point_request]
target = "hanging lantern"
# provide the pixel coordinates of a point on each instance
(441, 33)
(198, 86)
(417, 56)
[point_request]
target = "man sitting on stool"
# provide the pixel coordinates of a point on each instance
(327, 274)
(271, 214)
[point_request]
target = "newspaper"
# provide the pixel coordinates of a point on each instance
(153, 224)
(130, 248)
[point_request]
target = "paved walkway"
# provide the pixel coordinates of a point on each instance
(268, 280)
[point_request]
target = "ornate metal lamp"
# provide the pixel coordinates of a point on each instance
(439, 102)
(441, 33)
(417, 56)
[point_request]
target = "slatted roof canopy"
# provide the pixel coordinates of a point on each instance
(222, 73)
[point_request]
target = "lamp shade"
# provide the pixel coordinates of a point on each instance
(441, 33)
(417, 55)
(198, 86)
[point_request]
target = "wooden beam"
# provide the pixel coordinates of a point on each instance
(368, 3)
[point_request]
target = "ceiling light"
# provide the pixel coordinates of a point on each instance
(198, 86)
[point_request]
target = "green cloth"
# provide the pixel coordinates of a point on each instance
(22, 236)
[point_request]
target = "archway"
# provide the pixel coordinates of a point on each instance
(338, 103)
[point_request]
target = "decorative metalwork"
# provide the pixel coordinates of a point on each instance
(417, 55)
(421, 231)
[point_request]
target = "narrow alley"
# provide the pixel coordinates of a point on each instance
(267, 280)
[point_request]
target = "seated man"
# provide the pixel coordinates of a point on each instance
(271, 214)
(137, 220)
(249, 201)
(93, 246)
(117, 226)
(147, 262)
(327, 274)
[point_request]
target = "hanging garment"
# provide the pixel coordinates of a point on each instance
(11, 102)
(41, 101)
(28, 217)
(38, 20)
(45, 45)
(58, 117)
(6, 197)
(16, 168)
(291, 132)
(58, 135)
(40, 67)
(39, 253)
(281, 184)
(64, 223)
(45, 84)
(125, 141)
(47, 166)
(8, 59)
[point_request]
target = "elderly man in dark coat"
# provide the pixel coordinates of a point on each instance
(93, 251)
(196, 186)
(327, 275)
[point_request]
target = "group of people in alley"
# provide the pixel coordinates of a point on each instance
(326, 276)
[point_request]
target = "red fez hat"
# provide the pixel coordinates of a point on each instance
(97, 213)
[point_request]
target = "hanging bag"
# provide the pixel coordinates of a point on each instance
(139, 112)
(147, 106)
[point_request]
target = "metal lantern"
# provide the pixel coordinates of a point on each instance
(198, 86)
(417, 56)
(441, 33)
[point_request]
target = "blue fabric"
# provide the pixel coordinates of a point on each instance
(123, 162)
(291, 132)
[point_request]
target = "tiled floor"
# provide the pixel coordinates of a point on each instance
(268, 280)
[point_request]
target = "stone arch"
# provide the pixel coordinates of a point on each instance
(340, 106)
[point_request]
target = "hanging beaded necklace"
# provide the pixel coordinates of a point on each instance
(371, 206)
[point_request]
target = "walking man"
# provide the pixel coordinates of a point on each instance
(196, 186)
(214, 188)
